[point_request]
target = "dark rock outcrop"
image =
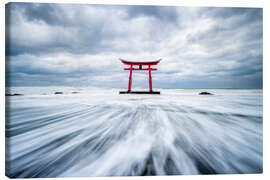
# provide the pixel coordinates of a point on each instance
(205, 93)
(16, 94)
(58, 93)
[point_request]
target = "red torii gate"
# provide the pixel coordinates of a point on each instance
(140, 68)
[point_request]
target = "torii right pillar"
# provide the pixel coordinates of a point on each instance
(140, 68)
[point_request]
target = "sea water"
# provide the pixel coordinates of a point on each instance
(98, 132)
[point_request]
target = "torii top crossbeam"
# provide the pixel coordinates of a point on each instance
(140, 65)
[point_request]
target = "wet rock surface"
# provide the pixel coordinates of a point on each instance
(205, 93)
(58, 92)
(15, 94)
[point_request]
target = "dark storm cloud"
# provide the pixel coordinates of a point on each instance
(252, 14)
(69, 43)
(81, 39)
(165, 13)
(58, 25)
(87, 31)
(45, 12)
(52, 13)
(244, 68)
(232, 21)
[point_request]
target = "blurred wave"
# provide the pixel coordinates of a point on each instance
(124, 135)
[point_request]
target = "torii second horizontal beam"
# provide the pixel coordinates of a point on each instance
(144, 69)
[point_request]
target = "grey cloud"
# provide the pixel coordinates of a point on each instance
(86, 34)
(164, 13)
(229, 26)
(251, 14)
(45, 12)
(202, 47)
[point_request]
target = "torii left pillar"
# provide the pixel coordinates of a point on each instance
(140, 68)
(130, 78)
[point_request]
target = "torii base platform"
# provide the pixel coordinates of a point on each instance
(139, 92)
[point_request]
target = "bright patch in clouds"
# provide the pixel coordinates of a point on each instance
(62, 44)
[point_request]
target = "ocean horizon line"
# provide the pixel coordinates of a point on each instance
(125, 87)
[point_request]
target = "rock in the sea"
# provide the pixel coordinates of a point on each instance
(58, 93)
(16, 94)
(205, 93)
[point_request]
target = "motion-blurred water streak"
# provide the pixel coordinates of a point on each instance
(98, 132)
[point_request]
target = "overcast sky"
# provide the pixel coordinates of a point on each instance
(80, 45)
